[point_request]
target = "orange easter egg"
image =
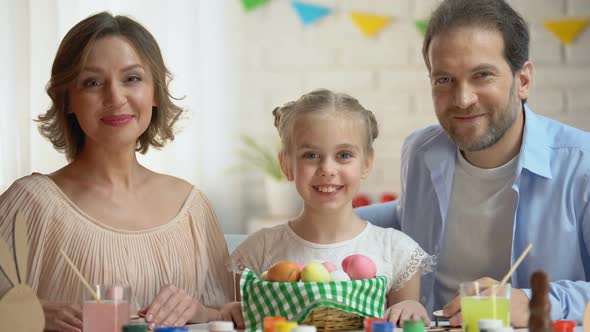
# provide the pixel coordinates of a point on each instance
(284, 272)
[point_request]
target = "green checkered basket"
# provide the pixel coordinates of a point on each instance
(335, 305)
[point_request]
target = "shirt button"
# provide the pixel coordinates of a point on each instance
(423, 299)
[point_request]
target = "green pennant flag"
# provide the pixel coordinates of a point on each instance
(251, 4)
(421, 25)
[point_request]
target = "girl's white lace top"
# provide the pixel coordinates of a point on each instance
(396, 255)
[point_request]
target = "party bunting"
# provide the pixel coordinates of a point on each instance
(566, 30)
(251, 4)
(421, 25)
(370, 25)
(310, 13)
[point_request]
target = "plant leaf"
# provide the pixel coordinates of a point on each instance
(261, 157)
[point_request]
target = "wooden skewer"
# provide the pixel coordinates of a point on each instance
(82, 279)
(516, 264)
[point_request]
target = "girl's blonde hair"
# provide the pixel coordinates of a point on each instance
(322, 101)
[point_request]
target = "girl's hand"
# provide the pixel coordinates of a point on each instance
(406, 310)
(233, 312)
(62, 317)
(173, 306)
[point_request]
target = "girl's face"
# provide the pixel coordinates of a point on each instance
(328, 160)
(113, 96)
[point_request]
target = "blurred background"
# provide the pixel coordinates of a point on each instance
(234, 61)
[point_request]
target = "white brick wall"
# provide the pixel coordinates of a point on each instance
(534, 10)
(279, 59)
(578, 7)
(544, 50)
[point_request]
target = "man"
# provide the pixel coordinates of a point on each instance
(493, 176)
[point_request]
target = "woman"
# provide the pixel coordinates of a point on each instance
(118, 221)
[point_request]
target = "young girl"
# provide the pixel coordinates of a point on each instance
(327, 150)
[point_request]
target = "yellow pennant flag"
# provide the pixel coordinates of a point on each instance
(566, 30)
(370, 25)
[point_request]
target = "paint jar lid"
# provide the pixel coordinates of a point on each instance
(304, 328)
(135, 327)
(368, 322)
(564, 325)
(171, 329)
(382, 327)
(414, 325)
(485, 324)
(222, 326)
(285, 326)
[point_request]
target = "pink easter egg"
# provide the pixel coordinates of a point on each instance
(346, 261)
(359, 267)
(300, 266)
(329, 266)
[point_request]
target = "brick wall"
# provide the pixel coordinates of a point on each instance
(279, 59)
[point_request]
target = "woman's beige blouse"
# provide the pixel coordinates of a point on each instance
(189, 251)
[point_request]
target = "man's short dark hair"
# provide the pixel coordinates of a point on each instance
(490, 14)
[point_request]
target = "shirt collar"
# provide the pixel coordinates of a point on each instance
(534, 151)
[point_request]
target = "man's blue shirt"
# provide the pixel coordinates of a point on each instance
(552, 185)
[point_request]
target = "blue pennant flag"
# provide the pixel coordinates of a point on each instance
(310, 13)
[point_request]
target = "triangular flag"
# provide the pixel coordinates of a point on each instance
(566, 30)
(251, 4)
(370, 24)
(421, 25)
(310, 13)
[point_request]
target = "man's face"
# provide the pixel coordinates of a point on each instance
(476, 96)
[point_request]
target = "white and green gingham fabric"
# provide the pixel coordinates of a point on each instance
(295, 300)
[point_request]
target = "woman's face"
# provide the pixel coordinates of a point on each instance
(113, 96)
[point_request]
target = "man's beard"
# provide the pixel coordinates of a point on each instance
(497, 126)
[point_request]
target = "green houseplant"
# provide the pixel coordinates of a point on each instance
(281, 196)
(262, 157)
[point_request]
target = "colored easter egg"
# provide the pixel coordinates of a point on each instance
(359, 267)
(315, 271)
(329, 266)
(284, 272)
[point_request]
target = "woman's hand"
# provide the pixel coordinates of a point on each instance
(406, 310)
(62, 316)
(173, 306)
(233, 312)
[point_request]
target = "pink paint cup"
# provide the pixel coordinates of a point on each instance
(111, 313)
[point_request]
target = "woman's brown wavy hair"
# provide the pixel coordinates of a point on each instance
(61, 127)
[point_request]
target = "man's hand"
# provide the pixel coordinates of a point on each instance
(519, 306)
